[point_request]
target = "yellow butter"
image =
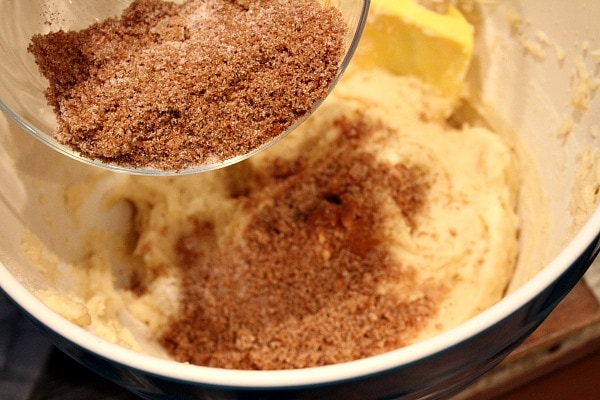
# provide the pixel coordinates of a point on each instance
(410, 39)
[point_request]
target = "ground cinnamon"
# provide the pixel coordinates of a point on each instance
(301, 286)
(173, 86)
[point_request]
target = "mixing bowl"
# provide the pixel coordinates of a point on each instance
(536, 65)
(22, 86)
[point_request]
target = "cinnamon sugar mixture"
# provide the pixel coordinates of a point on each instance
(302, 285)
(172, 86)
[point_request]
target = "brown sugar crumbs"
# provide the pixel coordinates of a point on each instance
(174, 86)
(301, 286)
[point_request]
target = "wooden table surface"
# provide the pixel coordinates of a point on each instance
(559, 361)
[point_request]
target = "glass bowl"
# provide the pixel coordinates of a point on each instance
(22, 87)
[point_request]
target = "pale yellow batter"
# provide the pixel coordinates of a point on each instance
(465, 237)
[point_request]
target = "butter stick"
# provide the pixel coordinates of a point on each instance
(409, 38)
